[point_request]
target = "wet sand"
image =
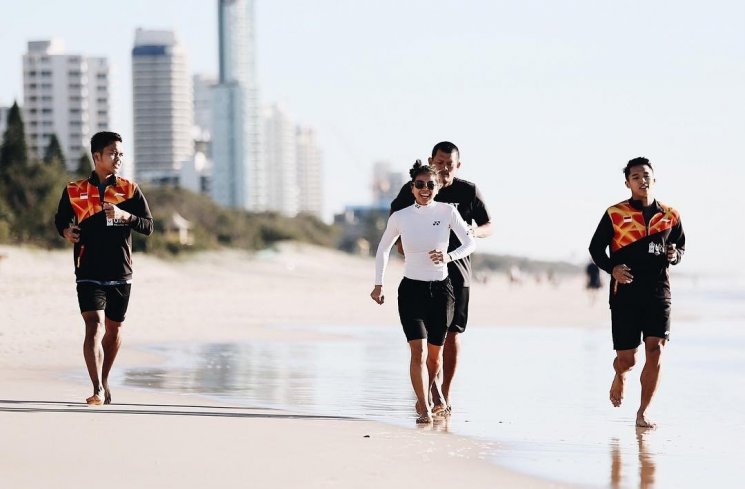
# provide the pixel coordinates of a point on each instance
(288, 346)
(155, 438)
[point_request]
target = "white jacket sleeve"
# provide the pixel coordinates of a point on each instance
(389, 237)
(459, 227)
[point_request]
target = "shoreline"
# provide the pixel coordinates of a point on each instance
(160, 438)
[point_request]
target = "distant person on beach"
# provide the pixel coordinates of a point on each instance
(594, 283)
(466, 198)
(425, 295)
(645, 237)
(98, 214)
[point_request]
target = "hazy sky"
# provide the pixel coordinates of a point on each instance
(546, 99)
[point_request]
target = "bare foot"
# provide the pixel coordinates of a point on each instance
(96, 399)
(424, 418)
(643, 422)
(440, 410)
(616, 390)
(107, 396)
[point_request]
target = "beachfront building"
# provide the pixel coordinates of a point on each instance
(3, 121)
(281, 161)
(386, 184)
(163, 112)
(238, 172)
(309, 171)
(66, 95)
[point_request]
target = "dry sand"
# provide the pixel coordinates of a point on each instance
(152, 439)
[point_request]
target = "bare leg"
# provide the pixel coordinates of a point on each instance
(93, 353)
(624, 361)
(450, 363)
(650, 378)
(419, 380)
(111, 342)
(434, 366)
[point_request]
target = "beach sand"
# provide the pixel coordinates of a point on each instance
(149, 439)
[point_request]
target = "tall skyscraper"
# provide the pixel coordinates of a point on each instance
(3, 121)
(309, 172)
(163, 111)
(239, 177)
(281, 161)
(66, 95)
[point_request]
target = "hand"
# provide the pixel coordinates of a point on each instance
(438, 256)
(377, 294)
(72, 233)
(672, 253)
(622, 274)
(113, 212)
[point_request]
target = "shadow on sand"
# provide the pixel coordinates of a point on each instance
(10, 405)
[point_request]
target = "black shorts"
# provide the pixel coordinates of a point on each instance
(460, 316)
(425, 309)
(634, 321)
(112, 299)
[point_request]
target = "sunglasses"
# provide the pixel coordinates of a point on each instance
(420, 184)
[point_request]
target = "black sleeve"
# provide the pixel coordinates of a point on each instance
(480, 212)
(600, 242)
(65, 214)
(142, 222)
(404, 199)
(678, 237)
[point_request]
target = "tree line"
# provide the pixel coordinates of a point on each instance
(30, 189)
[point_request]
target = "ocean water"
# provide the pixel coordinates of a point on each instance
(538, 394)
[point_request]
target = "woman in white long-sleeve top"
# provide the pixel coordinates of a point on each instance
(425, 295)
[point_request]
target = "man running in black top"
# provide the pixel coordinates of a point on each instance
(466, 198)
(645, 237)
(98, 215)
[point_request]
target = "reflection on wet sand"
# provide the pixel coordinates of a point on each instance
(647, 467)
(556, 426)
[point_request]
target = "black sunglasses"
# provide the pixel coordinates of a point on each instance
(420, 184)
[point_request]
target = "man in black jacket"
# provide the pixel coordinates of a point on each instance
(466, 198)
(645, 237)
(97, 215)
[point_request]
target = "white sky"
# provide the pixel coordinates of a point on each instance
(546, 99)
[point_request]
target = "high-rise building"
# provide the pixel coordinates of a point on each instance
(3, 121)
(239, 177)
(386, 184)
(66, 95)
(309, 172)
(203, 86)
(163, 110)
(281, 161)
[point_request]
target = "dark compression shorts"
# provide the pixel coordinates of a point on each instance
(112, 299)
(634, 321)
(425, 309)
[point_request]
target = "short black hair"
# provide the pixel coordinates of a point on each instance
(638, 161)
(420, 168)
(446, 147)
(102, 139)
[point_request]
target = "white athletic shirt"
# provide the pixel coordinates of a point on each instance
(423, 228)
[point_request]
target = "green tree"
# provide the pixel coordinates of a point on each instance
(14, 161)
(53, 154)
(30, 188)
(85, 166)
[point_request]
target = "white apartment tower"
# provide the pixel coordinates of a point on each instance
(281, 161)
(66, 95)
(163, 111)
(239, 176)
(309, 172)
